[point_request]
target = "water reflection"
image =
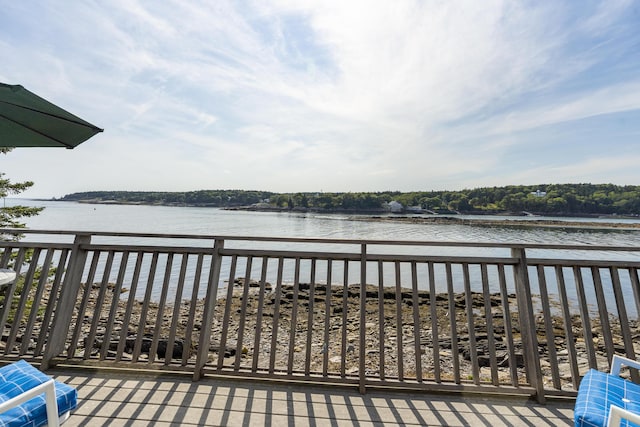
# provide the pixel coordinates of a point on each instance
(212, 221)
(216, 222)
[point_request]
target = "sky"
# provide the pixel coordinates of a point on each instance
(334, 96)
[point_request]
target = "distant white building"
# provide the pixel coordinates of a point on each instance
(395, 206)
(539, 193)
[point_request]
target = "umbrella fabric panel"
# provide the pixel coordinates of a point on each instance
(27, 120)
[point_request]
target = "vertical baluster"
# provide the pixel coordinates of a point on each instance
(88, 285)
(345, 307)
(473, 350)
(381, 334)
(416, 321)
(310, 316)
(188, 334)
(585, 316)
(227, 312)
(276, 317)
(19, 261)
(67, 303)
(6, 257)
(243, 313)
(155, 341)
(527, 322)
(210, 303)
(115, 304)
(35, 305)
(53, 302)
(24, 297)
(9, 292)
(435, 331)
(294, 317)
(256, 343)
(635, 285)
(131, 300)
(568, 327)
(142, 325)
(97, 310)
(327, 321)
(399, 344)
(548, 327)
(453, 325)
(362, 372)
(508, 327)
(488, 314)
(604, 313)
(623, 319)
(177, 313)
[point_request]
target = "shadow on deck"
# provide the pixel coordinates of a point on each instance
(130, 399)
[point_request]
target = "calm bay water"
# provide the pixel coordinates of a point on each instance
(212, 221)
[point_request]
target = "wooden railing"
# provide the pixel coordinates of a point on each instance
(499, 318)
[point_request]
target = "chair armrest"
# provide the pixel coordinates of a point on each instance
(618, 361)
(49, 390)
(617, 414)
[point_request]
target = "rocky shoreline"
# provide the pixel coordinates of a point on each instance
(606, 222)
(307, 349)
(550, 223)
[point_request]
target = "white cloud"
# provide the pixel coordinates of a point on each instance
(610, 100)
(338, 95)
(605, 16)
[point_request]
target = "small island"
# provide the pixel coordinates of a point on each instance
(569, 200)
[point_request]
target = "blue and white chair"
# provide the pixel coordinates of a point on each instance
(606, 399)
(31, 398)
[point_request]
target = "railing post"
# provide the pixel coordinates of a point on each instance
(527, 323)
(209, 308)
(68, 295)
(363, 319)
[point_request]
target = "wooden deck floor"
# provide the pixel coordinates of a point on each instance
(128, 399)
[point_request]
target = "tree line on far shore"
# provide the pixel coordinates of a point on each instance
(557, 199)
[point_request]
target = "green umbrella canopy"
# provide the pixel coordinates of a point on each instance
(26, 120)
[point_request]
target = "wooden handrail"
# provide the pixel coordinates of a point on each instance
(327, 310)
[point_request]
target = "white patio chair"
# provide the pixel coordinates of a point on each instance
(606, 399)
(30, 397)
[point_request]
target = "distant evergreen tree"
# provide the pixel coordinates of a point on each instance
(549, 199)
(10, 217)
